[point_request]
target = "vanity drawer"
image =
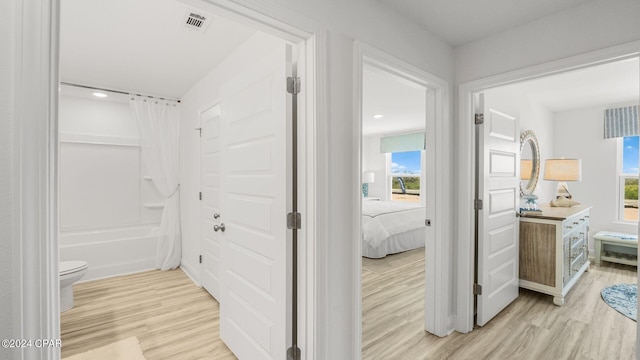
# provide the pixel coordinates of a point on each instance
(574, 223)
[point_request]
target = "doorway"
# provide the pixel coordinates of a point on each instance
(255, 153)
(393, 158)
(577, 72)
(427, 186)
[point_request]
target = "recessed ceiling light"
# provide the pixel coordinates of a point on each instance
(99, 94)
(378, 116)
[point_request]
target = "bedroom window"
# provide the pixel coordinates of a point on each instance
(629, 180)
(405, 173)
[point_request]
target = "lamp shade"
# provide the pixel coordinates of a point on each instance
(563, 169)
(526, 168)
(368, 177)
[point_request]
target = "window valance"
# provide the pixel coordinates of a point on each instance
(405, 142)
(621, 122)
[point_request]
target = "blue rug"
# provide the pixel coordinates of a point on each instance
(623, 298)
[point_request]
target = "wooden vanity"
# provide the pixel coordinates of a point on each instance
(554, 249)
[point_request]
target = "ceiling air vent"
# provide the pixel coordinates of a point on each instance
(195, 21)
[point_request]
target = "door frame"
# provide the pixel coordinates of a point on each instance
(201, 236)
(466, 156)
(35, 244)
(437, 262)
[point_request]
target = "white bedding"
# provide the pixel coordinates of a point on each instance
(390, 227)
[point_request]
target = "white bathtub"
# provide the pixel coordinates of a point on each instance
(111, 252)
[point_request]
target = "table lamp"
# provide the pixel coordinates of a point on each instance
(563, 170)
(367, 178)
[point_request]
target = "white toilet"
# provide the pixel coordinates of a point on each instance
(70, 272)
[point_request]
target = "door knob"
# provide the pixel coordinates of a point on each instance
(216, 215)
(218, 227)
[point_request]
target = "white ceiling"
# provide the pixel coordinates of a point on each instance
(402, 103)
(606, 84)
(463, 21)
(141, 46)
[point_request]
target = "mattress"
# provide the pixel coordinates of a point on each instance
(390, 227)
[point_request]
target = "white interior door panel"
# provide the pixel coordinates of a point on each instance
(210, 206)
(498, 231)
(255, 188)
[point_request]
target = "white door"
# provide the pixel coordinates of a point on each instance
(255, 123)
(210, 200)
(498, 242)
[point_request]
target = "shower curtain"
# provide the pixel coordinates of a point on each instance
(159, 124)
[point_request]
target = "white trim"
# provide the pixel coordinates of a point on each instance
(187, 269)
(214, 108)
(437, 251)
(98, 140)
(358, 69)
(466, 143)
(311, 133)
(35, 241)
(317, 209)
(620, 199)
(36, 111)
(621, 180)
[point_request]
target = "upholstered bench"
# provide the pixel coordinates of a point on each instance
(616, 247)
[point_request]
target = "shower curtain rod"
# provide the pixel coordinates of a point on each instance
(114, 91)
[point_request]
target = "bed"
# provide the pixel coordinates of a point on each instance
(390, 227)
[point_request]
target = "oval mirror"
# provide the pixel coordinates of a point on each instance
(529, 162)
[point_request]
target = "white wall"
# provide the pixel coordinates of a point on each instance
(201, 97)
(378, 26)
(580, 135)
(7, 173)
(105, 218)
(588, 27)
(375, 161)
(535, 117)
(539, 119)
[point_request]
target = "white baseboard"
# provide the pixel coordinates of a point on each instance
(191, 273)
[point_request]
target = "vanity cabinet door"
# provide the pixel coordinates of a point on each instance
(577, 250)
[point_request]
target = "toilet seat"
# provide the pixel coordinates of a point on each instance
(70, 267)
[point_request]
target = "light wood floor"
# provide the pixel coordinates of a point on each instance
(530, 328)
(171, 317)
(174, 319)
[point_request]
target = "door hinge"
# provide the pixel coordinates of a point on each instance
(479, 119)
(293, 85)
(200, 195)
(294, 221)
(199, 131)
(477, 204)
(477, 289)
(200, 259)
(293, 353)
